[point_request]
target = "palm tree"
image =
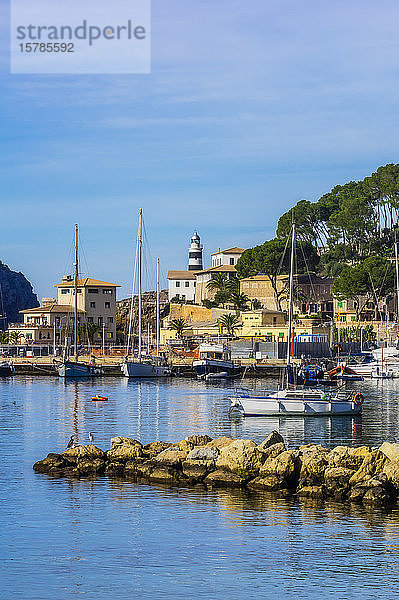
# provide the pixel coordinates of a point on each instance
(14, 337)
(230, 322)
(233, 284)
(218, 282)
(4, 337)
(239, 301)
(178, 325)
(256, 304)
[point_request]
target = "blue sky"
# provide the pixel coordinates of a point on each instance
(249, 108)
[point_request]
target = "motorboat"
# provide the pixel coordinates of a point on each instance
(297, 402)
(6, 369)
(215, 358)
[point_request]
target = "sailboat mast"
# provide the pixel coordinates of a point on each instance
(397, 276)
(76, 294)
(140, 240)
(290, 311)
(157, 306)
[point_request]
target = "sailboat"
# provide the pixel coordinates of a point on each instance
(74, 368)
(148, 366)
(291, 400)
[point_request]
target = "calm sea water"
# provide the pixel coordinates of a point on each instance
(113, 539)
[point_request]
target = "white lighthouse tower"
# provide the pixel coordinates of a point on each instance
(195, 253)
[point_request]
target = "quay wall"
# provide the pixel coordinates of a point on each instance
(363, 475)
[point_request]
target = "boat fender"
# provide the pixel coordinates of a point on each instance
(326, 396)
(358, 399)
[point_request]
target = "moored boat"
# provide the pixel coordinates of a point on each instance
(297, 402)
(6, 369)
(293, 400)
(215, 358)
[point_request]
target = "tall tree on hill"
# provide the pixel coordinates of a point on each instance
(272, 259)
(373, 279)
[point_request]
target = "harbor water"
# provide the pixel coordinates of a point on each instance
(104, 538)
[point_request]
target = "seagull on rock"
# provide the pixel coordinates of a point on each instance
(71, 443)
(91, 437)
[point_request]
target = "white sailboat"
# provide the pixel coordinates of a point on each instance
(144, 366)
(291, 400)
(73, 368)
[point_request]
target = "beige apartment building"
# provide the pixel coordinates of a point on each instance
(53, 321)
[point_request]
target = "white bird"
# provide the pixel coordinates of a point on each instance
(91, 437)
(71, 443)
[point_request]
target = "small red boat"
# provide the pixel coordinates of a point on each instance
(99, 399)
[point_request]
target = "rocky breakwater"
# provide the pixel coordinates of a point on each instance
(363, 475)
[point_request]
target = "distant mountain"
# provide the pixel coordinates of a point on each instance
(16, 293)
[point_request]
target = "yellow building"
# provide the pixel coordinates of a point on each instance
(49, 323)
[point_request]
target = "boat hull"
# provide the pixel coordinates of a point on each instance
(5, 370)
(77, 370)
(207, 366)
(270, 406)
(135, 369)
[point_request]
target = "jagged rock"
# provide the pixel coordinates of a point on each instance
(115, 468)
(201, 453)
(241, 457)
(391, 451)
(284, 467)
(199, 462)
(197, 469)
(171, 456)
(271, 440)
(377, 495)
(373, 463)
(124, 449)
(224, 478)
(272, 451)
(165, 474)
(154, 448)
(313, 463)
(220, 443)
(90, 466)
(336, 481)
(348, 458)
(198, 440)
(271, 483)
(362, 489)
(391, 470)
(89, 452)
(52, 461)
(312, 491)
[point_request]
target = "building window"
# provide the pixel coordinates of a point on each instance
(177, 283)
(232, 261)
(64, 291)
(93, 291)
(92, 305)
(110, 335)
(107, 291)
(274, 320)
(90, 320)
(108, 305)
(187, 283)
(110, 319)
(100, 321)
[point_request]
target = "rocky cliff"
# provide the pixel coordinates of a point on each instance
(16, 293)
(149, 300)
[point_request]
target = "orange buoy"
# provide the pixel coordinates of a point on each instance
(99, 399)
